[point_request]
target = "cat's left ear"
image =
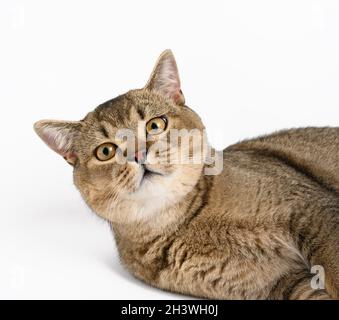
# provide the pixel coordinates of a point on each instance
(165, 78)
(59, 136)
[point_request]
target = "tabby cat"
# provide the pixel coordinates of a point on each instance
(254, 230)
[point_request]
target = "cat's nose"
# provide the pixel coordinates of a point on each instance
(140, 156)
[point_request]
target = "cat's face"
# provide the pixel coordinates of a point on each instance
(124, 153)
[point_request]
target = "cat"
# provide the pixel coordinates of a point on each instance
(255, 230)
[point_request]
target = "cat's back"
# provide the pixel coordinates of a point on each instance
(311, 152)
(256, 184)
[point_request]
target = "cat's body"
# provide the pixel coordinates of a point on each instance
(254, 231)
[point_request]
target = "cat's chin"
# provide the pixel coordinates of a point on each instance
(151, 184)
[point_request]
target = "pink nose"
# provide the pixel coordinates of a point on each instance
(140, 156)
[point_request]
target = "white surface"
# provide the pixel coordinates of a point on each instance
(247, 67)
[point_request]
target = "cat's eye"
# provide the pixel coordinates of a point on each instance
(156, 125)
(105, 151)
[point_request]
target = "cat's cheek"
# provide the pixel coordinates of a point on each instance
(138, 176)
(127, 178)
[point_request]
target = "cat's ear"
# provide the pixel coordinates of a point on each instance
(59, 136)
(165, 78)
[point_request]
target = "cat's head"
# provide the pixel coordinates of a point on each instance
(128, 154)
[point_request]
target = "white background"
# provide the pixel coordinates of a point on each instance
(247, 67)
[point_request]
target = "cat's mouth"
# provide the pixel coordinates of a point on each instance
(148, 174)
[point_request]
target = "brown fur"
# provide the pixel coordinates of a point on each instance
(251, 232)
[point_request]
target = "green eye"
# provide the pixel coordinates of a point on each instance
(156, 125)
(105, 152)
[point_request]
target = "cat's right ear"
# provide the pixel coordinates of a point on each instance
(59, 136)
(165, 78)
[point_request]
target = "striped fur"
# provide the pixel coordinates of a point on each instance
(254, 231)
